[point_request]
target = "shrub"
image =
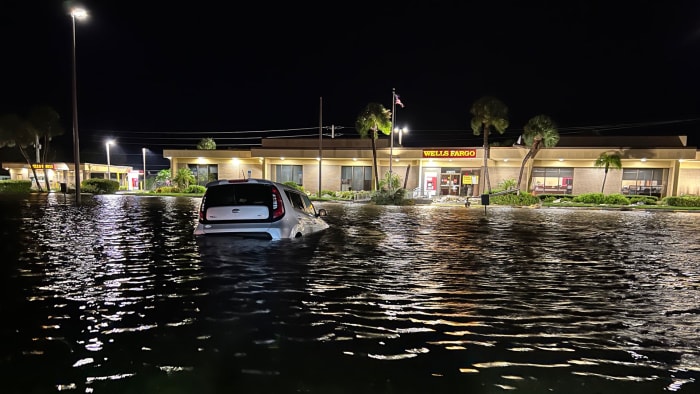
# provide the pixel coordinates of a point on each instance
(616, 199)
(15, 186)
(195, 189)
(99, 186)
(646, 200)
(523, 199)
(386, 197)
(346, 195)
(590, 198)
(683, 201)
(168, 189)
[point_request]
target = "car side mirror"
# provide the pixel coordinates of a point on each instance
(322, 212)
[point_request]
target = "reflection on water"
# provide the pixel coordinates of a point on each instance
(117, 296)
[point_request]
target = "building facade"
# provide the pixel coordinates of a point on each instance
(659, 166)
(58, 173)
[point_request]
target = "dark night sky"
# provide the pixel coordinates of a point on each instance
(161, 74)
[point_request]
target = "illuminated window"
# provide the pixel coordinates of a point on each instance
(645, 181)
(355, 178)
(289, 173)
(204, 173)
(552, 180)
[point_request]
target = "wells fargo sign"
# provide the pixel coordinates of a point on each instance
(39, 166)
(449, 153)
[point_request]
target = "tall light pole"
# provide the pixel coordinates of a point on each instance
(78, 13)
(143, 152)
(107, 144)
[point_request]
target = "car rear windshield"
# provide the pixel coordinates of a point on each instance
(239, 194)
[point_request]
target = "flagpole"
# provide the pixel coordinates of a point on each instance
(391, 133)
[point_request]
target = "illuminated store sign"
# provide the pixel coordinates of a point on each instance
(449, 153)
(39, 166)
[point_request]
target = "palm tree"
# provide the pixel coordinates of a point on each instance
(15, 131)
(183, 178)
(488, 112)
(370, 121)
(539, 132)
(607, 160)
(46, 123)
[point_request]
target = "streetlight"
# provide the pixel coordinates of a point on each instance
(143, 152)
(79, 13)
(107, 144)
(400, 131)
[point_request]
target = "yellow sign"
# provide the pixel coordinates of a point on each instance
(470, 179)
(449, 153)
(40, 166)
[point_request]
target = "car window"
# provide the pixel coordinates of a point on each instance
(296, 200)
(309, 205)
(239, 194)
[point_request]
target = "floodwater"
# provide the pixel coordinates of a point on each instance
(117, 296)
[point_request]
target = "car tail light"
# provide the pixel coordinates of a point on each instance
(201, 209)
(277, 205)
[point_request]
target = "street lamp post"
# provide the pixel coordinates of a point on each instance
(78, 13)
(107, 144)
(143, 152)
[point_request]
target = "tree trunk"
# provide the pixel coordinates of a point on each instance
(522, 168)
(604, 177)
(36, 178)
(374, 157)
(405, 179)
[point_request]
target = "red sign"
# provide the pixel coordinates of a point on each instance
(449, 153)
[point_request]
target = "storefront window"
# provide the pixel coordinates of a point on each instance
(289, 173)
(355, 178)
(646, 181)
(204, 173)
(552, 180)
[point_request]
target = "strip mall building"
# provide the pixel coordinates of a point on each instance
(651, 165)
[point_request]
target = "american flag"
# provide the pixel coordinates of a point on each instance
(398, 101)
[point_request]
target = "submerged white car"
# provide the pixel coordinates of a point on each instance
(257, 207)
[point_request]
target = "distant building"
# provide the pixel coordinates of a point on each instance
(58, 173)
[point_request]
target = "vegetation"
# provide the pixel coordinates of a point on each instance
(519, 200)
(390, 191)
(373, 119)
(47, 124)
(183, 178)
(15, 186)
(163, 177)
(682, 201)
(206, 144)
(488, 112)
(99, 186)
(608, 160)
(195, 189)
(539, 132)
